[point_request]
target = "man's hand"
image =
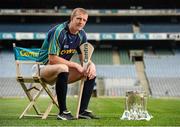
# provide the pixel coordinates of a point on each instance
(91, 71)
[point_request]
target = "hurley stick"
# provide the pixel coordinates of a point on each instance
(86, 50)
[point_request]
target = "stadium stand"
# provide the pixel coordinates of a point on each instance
(160, 27)
(102, 56)
(124, 57)
(149, 25)
(25, 27)
(107, 28)
(163, 72)
(117, 79)
(9, 85)
(7, 59)
(91, 28)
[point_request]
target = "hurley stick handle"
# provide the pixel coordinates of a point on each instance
(86, 50)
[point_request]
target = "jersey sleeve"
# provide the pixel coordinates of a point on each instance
(54, 47)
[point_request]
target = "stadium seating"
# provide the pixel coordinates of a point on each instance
(120, 78)
(102, 56)
(116, 71)
(163, 72)
(109, 28)
(90, 28)
(117, 87)
(161, 86)
(25, 27)
(122, 25)
(159, 27)
(124, 57)
(159, 66)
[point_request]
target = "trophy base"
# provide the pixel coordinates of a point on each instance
(144, 115)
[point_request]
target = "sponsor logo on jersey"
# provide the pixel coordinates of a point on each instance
(68, 51)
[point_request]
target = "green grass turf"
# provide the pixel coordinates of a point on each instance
(166, 112)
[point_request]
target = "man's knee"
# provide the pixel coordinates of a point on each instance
(62, 68)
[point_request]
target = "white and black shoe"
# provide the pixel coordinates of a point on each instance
(66, 115)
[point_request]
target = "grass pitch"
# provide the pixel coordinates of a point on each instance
(166, 112)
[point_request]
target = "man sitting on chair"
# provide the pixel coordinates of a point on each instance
(61, 43)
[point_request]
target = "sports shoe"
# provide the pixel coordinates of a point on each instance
(66, 115)
(87, 115)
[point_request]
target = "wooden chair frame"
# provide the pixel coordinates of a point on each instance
(25, 82)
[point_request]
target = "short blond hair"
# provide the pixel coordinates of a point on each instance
(74, 12)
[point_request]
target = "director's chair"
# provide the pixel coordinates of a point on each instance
(32, 84)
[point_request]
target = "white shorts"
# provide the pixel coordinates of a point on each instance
(34, 69)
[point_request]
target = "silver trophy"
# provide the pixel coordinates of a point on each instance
(136, 106)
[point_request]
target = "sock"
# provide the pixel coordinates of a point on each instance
(87, 91)
(61, 90)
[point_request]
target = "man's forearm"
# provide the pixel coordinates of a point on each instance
(58, 60)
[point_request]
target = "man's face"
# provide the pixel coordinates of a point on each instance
(79, 21)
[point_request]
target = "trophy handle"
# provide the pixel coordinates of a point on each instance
(126, 101)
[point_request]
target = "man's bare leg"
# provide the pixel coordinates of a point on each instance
(50, 73)
(74, 75)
